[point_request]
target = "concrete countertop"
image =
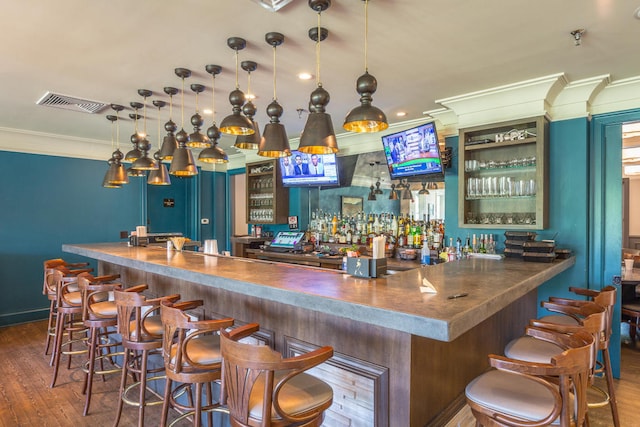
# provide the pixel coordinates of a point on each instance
(394, 301)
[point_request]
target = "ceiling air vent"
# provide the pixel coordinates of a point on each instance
(72, 103)
(273, 5)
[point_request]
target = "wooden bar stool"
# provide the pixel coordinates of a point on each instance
(99, 314)
(141, 331)
(606, 298)
(68, 321)
(519, 393)
(191, 353)
(48, 289)
(261, 388)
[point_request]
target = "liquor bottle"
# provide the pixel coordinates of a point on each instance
(451, 251)
(474, 245)
(394, 226)
(417, 236)
(482, 249)
(400, 224)
(334, 225)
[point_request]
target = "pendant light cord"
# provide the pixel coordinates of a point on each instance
(366, 33)
(213, 97)
(159, 143)
(237, 85)
(274, 73)
(118, 130)
(319, 37)
(182, 107)
(144, 116)
(170, 107)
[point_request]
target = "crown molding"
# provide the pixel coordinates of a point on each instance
(619, 95)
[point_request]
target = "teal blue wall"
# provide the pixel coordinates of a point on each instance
(47, 201)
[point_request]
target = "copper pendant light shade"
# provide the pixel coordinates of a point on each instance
(197, 139)
(236, 123)
(116, 174)
(169, 143)
(365, 117)
(249, 142)
(183, 164)
(318, 136)
(135, 153)
(159, 176)
(144, 162)
(213, 153)
(274, 141)
(394, 193)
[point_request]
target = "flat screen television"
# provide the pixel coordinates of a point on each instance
(414, 153)
(309, 170)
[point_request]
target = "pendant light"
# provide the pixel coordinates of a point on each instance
(160, 175)
(183, 163)
(197, 139)
(169, 143)
(274, 141)
(116, 174)
(394, 194)
(249, 142)
(236, 123)
(213, 154)
(318, 136)
(144, 162)
(135, 153)
(424, 188)
(365, 117)
(372, 193)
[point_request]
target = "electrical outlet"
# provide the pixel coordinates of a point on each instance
(204, 221)
(124, 234)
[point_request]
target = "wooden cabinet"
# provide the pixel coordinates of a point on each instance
(504, 175)
(267, 199)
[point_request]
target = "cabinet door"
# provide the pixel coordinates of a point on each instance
(504, 175)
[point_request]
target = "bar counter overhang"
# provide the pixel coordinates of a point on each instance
(426, 346)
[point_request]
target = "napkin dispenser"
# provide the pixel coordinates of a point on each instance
(366, 266)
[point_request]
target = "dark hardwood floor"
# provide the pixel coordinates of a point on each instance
(26, 399)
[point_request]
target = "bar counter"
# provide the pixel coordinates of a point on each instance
(416, 350)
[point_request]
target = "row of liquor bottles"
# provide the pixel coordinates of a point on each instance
(402, 231)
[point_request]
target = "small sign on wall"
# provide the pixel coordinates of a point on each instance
(293, 223)
(168, 203)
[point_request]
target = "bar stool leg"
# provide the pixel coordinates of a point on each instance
(57, 345)
(88, 378)
(165, 404)
(143, 387)
(612, 396)
(198, 412)
(123, 384)
(50, 325)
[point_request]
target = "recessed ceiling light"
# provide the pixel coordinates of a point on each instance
(636, 14)
(401, 113)
(250, 96)
(305, 76)
(207, 111)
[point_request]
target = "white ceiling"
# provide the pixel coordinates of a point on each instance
(419, 50)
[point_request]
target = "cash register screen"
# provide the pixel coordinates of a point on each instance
(287, 239)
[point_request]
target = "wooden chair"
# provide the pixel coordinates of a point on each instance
(519, 394)
(68, 320)
(99, 315)
(606, 298)
(141, 331)
(49, 290)
(191, 353)
(261, 388)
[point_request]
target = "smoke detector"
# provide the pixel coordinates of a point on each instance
(273, 5)
(72, 103)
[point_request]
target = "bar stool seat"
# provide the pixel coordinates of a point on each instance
(192, 360)
(261, 388)
(605, 298)
(141, 329)
(70, 270)
(520, 393)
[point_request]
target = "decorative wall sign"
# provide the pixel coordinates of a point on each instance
(293, 223)
(168, 203)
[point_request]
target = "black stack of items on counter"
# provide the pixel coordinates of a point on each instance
(523, 244)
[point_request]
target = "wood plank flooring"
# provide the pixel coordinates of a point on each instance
(26, 399)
